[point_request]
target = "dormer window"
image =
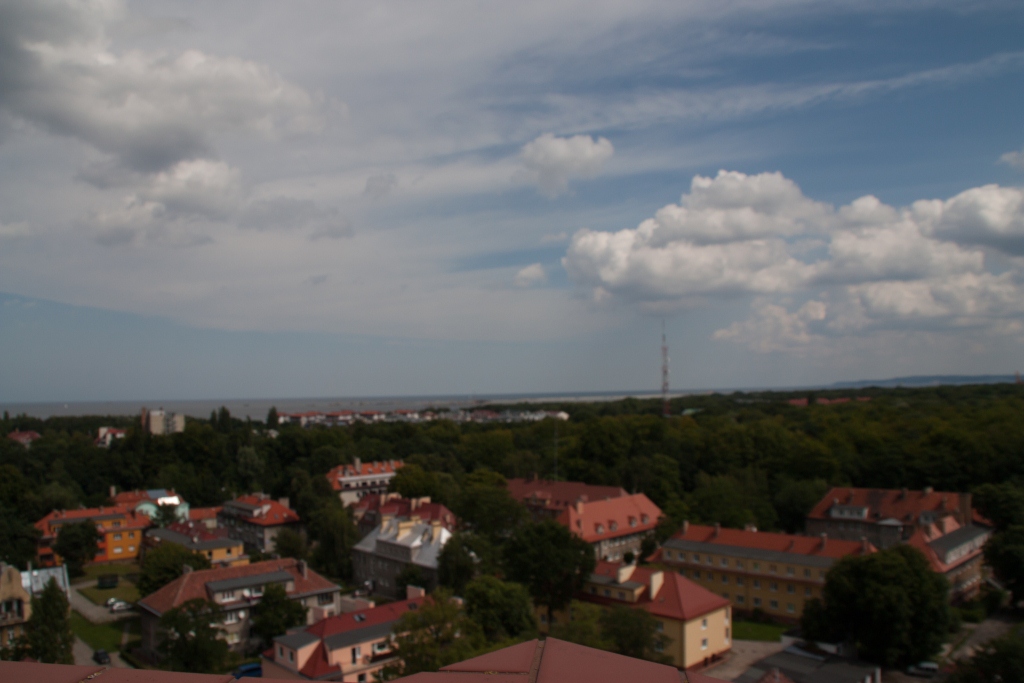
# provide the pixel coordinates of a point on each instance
(614, 526)
(645, 519)
(599, 528)
(632, 521)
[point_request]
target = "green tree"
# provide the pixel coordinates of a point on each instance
(191, 638)
(891, 604)
(411, 575)
(1002, 504)
(333, 532)
(551, 561)
(290, 543)
(435, 635)
(1004, 552)
(501, 609)
(76, 545)
(251, 467)
(166, 515)
(634, 633)
(456, 566)
(272, 417)
(165, 563)
(48, 636)
(276, 613)
(583, 626)
(1001, 660)
(486, 507)
(794, 498)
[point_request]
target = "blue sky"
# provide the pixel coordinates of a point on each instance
(251, 199)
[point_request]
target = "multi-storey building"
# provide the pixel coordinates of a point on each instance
(776, 573)
(613, 526)
(256, 520)
(120, 529)
(398, 543)
(160, 422)
(214, 544)
(347, 647)
(360, 479)
(15, 605)
(149, 501)
(370, 511)
(547, 499)
(237, 591)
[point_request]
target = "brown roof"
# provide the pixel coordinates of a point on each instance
(193, 584)
(550, 661)
(764, 540)
(394, 505)
(196, 514)
(678, 598)
(129, 517)
(362, 469)
(559, 494)
(903, 506)
(611, 518)
(275, 512)
(34, 672)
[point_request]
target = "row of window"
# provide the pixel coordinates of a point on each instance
(131, 534)
(120, 549)
(614, 526)
(772, 604)
(741, 581)
(680, 556)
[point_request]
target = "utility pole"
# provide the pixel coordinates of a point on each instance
(665, 409)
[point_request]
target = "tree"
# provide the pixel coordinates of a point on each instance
(891, 604)
(251, 466)
(166, 515)
(165, 563)
(290, 543)
(276, 613)
(1001, 659)
(191, 638)
(1004, 552)
(1002, 504)
(486, 507)
(634, 633)
(794, 498)
(48, 634)
(551, 561)
(456, 566)
(334, 534)
(435, 635)
(583, 626)
(272, 417)
(502, 610)
(411, 575)
(76, 545)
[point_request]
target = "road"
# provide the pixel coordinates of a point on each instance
(83, 656)
(84, 606)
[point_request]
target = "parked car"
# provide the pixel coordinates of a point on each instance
(111, 601)
(923, 669)
(253, 670)
(120, 606)
(101, 657)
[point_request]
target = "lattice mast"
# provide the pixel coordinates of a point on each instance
(665, 409)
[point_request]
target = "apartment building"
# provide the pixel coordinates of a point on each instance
(355, 481)
(347, 647)
(613, 526)
(776, 573)
(214, 544)
(238, 590)
(396, 544)
(370, 511)
(256, 520)
(547, 499)
(160, 422)
(15, 605)
(120, 529)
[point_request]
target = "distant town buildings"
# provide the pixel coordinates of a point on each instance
(613, 526)
(24, 438)
(107, 436)
(394, 546)
(776, 573)
(370, 511)
(353, 482)
(256, 520)
(149, 501)
(160, 422)
(120, 528)
(216, 545)
(347, 417)
(547, 499)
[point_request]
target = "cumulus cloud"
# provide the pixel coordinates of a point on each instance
(1015, 159)
(286, 214)
(530, 276)
(884, 267)
(551, 162)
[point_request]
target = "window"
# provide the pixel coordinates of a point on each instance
(696, 573)
(362, 678)
(772, 568)
(757, 583)
(807, 592)
(790, 571)
(280, 651)
(118, 550)
(659, 646)
(756, 566)
(227, 551)
(257, 590)
(614, 526)
(791, 589)
(382, 646)
(725, 562)
(739, 580)
(704, 643)
(117, 537)
(660, 625)
(739, 564)
(725, 595)
(741, 599)
(227, 595)
(607, 593)
(774, 604)
(696, 557)
(231, 618)
(727, 634)
(757, 602)
(725, 579)
(325, 599)
(773, 586)
(704, 622)
(807, 573)
(710, 560)
(622, 596)
(790, 607)
(593, 590)
(356, 653)
(645, 519)
(131, 549)
(116, 524)
(291, 656)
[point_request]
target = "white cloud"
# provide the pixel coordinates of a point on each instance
(551, 162)
(773, 328)
(1015, 159)
(989, 215)
(530, 276)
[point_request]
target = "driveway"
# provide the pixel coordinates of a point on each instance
(990, 629)
(744, 653)
(94, 613)
(83, 656)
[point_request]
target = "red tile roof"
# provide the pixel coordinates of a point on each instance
(130, 519)
(35, 672)
(677, 598)
(198, 531)
(611, 518)
(765, 540)
(923, 537)
(137, 496)
(362, 469)
(272, 513)
(199, 514)
(193, 584)
(559, 494)
(24, 438)
(353, 621)
(394, 505)
(904, 506)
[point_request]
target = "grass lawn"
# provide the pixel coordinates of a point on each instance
(752, 630)
(93, 571)
(125, 591)
(98, 636)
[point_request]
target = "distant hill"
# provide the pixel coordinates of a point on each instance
(926, 381)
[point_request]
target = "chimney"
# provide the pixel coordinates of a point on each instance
(965, 509)
(186, 569)
(113, 491)
(864, 545)
(623, 573)
(657, 579)
(284, 501)
(303, 569)
(928, 490)
(750, 527)
(824, 539)
(435, 529)
(718, 529)
(413, 592)
(686, 526)
(579, 507)
(358, 464)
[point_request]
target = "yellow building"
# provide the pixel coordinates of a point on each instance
(120, 529)
(214, 544)
(15, 605)
(696, 623)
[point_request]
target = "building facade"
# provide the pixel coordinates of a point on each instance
(214, 544)
(613, 526)
(394, 546)
(237, 591)
(160, 422)
(120, 528)
(370, 511)
(256, 520)
(775, 573)
(547, 499)
(355, 481)
(15, 605)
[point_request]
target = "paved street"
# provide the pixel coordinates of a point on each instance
(991, 628)
(97, 614)
(744, 653)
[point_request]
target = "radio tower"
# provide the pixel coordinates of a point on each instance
(665, 410)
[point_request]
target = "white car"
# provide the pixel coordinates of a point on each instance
(120, 606)
(111, 601)
(923, 669)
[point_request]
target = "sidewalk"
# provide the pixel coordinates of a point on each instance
(743, 654)
(97, 614)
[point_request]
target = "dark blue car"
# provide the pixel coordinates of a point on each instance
(254, 670)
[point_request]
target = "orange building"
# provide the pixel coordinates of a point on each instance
(120, 527)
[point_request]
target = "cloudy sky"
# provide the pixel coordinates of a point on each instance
(246, 199)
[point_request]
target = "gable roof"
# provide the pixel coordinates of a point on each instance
(559, 494)
(677, 597)
(769, 545)
(880, 505)
(36, 672)
(948, 545)
(611, 518)
(130, 518)
(259, 509)
(194, 536)
(393, 505)
(362, 469)
(194, 584)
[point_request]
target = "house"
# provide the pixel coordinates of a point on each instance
(256, 520)
(554, 661)
(397, 544)
(346, 647)
(696, 623)
(614, 526)
(205, 516)
(149, 501)
(237, 590)
(15, 605)
(546, 499)
(800, 666)
(359, 479)
(120, 529)
(24, 438)
(943, 525)
(107, 436)
(34, 580)
(776, 573)
(370, 511)
(214, 544)
(30, 672)
(159, 422)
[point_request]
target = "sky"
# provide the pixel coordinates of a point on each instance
(320, 198)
